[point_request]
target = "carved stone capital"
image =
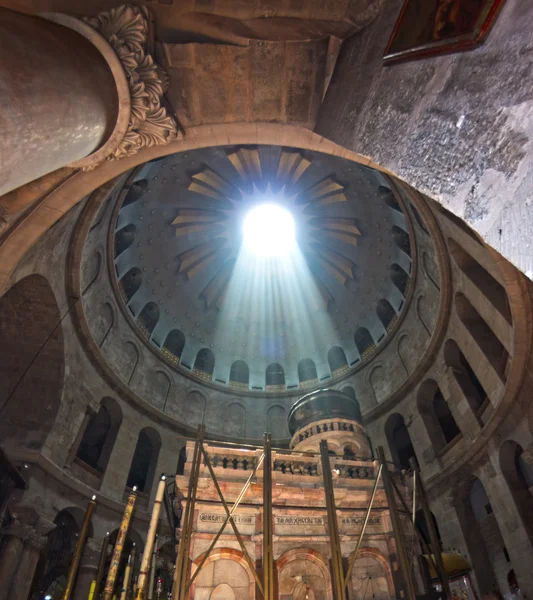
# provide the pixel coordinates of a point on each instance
(126, 29)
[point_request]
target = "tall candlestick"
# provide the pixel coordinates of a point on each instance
(101, 567)
(150, 538)
(127, 574)
(73, 571)
(119, 545)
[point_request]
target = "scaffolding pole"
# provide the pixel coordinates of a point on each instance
(182, 560)
(268, 549)
(401, 550)
(339, 592)
(433, 538)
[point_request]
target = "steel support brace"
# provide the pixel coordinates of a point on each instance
(268, 548)
(401, 550)
(339, 592)
(182, 560)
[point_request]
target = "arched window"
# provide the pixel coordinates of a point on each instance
(307, 370)
(205, 362)
(388, 195)
(131, 282)
(401, 239)
(445, 418)
(124, 238)
(174, 344)
(144, 461)
(399, 278)
(239, 373)
(275, 375)
(136, 190)
(364, 342)
(337, 360)
(464, 375)
(483, 335)
(493, 291)
(400, 444)
(182, 459)
(386, 314)
(100, 434)
(148, 318)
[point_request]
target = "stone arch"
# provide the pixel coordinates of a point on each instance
(31, 362)
(429, 266)
(204, 363)
(519, 477)
(90, 271)
(235, 417)
(482, 334)
(406, 354)
(100, 435)
(399, 277)
(173, 346)
(422, 310)
(277, 421)
(337, 360)
(307, 371)
(372, 561)
(304, 561)
(148, 318)
(124, 238)
(103, 323)
(464, 375)
(400, 444)
(128, 361)
(144, 460)
(196, 404)
(432, 406)
(130, 283)
(378, 382)
(230, 567)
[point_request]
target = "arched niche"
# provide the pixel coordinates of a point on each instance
(90, 270)
(224, 571)
(464, 375)
(274, 376)
(379, 382)
(307, 371)
(371, 576)
(436, 414)
(337, 360)
(277, 421)
(130, 282)
(148, 318)
(173, 346)
(235, 420)
(31, 362)
(400, 443)
(194, 406)
(144, 461)
(102, 324)
(100, 435)
(303, 565)
(205, 362)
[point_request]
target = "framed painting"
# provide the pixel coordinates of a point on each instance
(432, 27)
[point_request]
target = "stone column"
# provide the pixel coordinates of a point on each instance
(87, 570)
(58, 96)
(23, 579)
(9, 559)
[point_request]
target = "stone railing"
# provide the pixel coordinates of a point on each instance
(324, 427)
(296, 465)
(230, 460)
(351, 469)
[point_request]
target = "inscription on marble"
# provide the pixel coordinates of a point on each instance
(360, 520)
(214, 518)
(299, 520)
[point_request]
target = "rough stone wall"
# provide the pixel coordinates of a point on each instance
(457, 127)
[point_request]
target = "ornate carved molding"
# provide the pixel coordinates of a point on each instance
(126, 28)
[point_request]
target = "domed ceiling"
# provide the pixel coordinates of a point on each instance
(253, 323)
